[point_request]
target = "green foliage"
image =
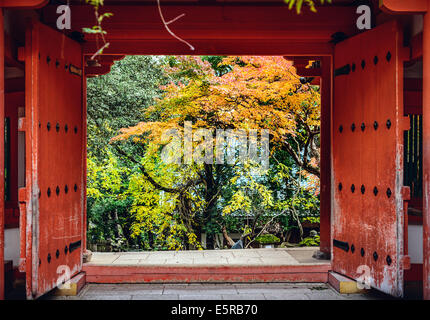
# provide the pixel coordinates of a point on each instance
(114, 101)
(120, 98)
(299, 4)
(95, 3)
(267, 239)
(156, 211)
(136, 200)
(311, 241)
(311, 219)
(107, 207)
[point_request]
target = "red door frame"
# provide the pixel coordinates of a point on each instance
(426, 157)
(54, 169)
(415, 6)
(2, 53)
(28, 4)
(325, 157)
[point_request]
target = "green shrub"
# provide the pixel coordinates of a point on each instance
(312, 241)
(267, 239)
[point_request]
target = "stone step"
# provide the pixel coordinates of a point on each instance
(205, 274)
(73, 287)
(343, 284)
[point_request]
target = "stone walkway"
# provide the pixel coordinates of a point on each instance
(213, 291)
(248, 257)
(258, 291)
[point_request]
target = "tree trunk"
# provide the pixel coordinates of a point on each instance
(229, 240)
(211, 201)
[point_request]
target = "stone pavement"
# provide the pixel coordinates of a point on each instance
(207, 291)
(248, 257)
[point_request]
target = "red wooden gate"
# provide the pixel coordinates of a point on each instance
(52, 202)
(368, 125)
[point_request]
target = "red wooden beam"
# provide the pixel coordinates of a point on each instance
(426, 157)
(413, 100)
(14, 85)
(13, 101)
(214, 22)
(100, 65)
(97, 71)
(215, 29)
(417, 46)
(27, 4)
(84, 159)
(404, 6)
(308, 72)
(413, 84)
(264, 47)
(168, 274)
(2, 283)
(325, 159)
(105, 59)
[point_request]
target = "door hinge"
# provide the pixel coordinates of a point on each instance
(341, 245)
(345, 70)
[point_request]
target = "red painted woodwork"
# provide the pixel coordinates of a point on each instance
(413, 102)
(214, 47)
(236, 22)
(370, 158)
(402, 6)
(362, 96)
(14, 85)
(417, 46)
(13, 101)
(325, 158)
(214, 29)
(21, 4)
(426, 157)
(97, 71)
(84, 161)
(415, 273)
(2, 53)
(100, 65)
(54, 159)
(166, 274)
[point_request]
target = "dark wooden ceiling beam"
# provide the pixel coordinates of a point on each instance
(214, 22)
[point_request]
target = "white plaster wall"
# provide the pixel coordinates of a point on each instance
(11, 241)
(415, 243)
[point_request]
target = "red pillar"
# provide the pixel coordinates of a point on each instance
(1, 156)
(84, 160)
(325, 156)
(426, 157)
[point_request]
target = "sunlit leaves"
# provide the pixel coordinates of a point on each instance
(298, 4)
(94, 30)
(250, 93)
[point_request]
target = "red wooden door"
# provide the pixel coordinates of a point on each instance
(53, 197)
(368, 126)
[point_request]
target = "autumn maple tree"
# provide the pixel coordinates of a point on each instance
(236, 93)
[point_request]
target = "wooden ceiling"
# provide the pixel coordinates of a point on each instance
(212, 2)
(259, 27)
